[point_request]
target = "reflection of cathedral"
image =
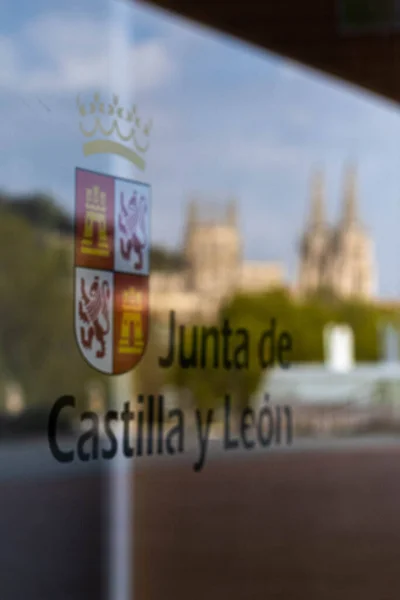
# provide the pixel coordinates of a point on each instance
(214, 269)
(338, 259)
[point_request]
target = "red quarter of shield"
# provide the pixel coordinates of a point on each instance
(131, 320)
(94, 220)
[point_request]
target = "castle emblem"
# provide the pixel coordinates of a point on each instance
(110, 128)
(112, 231)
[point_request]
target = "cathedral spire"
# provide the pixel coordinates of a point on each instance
(231, 213)
(350, 195)
(317, 216)
(192, 214)
(191, 219)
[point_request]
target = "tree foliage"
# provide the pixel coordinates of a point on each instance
(303, 320)
(166, 260)
(40, 211)
(37, 345)
(37, 341)
(148, 377)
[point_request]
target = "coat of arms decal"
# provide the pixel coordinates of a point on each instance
(112, 233)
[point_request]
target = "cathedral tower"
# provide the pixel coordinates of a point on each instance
(339, 259)
(314, 240)
(353, 263)
(350, 216)
(212, 250)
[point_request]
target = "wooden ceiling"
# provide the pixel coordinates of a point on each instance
(307, 31)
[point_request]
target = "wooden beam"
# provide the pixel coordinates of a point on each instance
(308, 32)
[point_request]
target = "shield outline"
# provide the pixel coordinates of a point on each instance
(112, 271)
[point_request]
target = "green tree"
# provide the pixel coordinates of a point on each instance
(166, 260)
(37, 345)
(149, 378)
(40, 211)
(303, 320)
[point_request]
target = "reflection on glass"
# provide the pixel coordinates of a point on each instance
(273, 335)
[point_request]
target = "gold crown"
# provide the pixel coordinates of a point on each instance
(120, 119)
(132, 299)
(96, 199)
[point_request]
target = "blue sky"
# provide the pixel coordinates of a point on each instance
(229, 120)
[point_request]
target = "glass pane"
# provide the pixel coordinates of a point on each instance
(199, 334)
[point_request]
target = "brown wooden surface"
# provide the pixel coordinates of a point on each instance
(307, 32)
(309, 526)
(52, 539)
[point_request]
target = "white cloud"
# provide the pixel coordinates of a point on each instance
(77, 56)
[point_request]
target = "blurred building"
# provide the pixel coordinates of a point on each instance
(214, 268)
(340, 395)
(366, 398)
(341, 258)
